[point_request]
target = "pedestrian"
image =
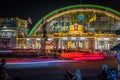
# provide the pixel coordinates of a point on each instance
(78, 75)
(115, 54)
(112, 74)
(3, 73)
(2, 65)
(105, 67)
(104, 73)
(68, 75)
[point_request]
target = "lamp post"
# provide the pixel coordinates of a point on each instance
(44, 39)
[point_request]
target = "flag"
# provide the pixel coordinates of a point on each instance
(29, 20)
(93, 18)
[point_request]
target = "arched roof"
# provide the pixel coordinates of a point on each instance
(42, 20)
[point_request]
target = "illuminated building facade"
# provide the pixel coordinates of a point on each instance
(74, 27)
(80, 26)
(10, 30)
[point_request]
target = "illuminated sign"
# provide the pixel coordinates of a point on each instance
(75, 27)
(81, 17)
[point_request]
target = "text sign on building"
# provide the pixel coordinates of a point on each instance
(75, 27)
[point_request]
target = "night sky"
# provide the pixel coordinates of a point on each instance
(37, 9)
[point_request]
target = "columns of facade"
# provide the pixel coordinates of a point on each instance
(86, 44)
(77, 44)
(105, 44)
(59, 44)
(27, 43)
(43, 46)
(96, 43)
(62, 45)
(91, 43)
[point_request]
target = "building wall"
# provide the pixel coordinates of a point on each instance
(10, 29)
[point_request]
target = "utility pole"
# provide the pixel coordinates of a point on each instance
(44, 38)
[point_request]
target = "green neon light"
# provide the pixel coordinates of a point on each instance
(72, 7)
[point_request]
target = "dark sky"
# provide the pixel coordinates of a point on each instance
(36, 9)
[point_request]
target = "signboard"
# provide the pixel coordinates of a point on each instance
(81, 17)
(75, 27)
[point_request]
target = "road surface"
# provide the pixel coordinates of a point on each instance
(55, 69)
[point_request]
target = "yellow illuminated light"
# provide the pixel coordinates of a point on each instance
(83, 10)
(83, 7)
(69, 43)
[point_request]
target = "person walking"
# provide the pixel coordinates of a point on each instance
(3, 73)
(68, 75)
(78, 75)
(103, 74)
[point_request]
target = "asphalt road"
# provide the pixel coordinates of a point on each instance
(55, 69)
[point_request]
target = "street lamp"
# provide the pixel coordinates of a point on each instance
(44, 39)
